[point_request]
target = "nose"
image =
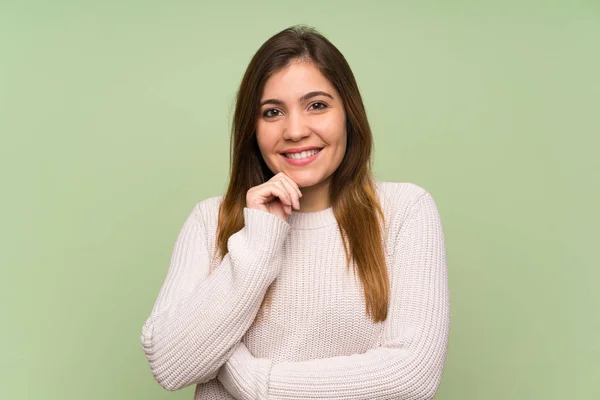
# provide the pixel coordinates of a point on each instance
(295, 128)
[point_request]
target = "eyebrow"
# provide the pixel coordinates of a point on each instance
(307, 96)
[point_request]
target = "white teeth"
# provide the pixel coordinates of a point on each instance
(301, 155)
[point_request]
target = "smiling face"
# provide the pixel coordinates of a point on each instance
(300, 109)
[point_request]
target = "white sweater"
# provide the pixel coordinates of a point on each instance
(315, 341)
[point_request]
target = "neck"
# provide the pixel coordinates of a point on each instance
(315, 198)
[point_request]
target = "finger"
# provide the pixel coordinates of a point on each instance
(290, 194)
(281, 192)
(292, 191)
(291, 181)
(274, 193)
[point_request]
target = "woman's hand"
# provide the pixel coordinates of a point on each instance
(277, 196)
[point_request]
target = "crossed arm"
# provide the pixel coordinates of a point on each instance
(410, 360)
(198, 318)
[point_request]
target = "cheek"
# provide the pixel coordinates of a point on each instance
(333, 129)
(264, 140)
(338, 134)
(266, 144)
(344, 141)
(342, 137)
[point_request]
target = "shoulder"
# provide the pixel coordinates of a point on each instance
(205, 214)
(399, 198)
(210, 204)
(399, 201)
(207, 210)
(399, 190)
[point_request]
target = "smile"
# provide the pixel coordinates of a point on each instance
(301, 158)
(302, 155)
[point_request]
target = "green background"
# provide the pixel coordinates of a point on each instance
(115, 121)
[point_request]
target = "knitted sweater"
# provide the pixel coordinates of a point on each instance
(315, 340)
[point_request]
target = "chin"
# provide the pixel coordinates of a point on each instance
(302, 185)
(304, 180)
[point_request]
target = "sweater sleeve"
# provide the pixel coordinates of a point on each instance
(198, 318)
(410, 360)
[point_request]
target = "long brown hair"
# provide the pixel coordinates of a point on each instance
(352, 189)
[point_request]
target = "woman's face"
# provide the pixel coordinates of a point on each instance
(301, 109)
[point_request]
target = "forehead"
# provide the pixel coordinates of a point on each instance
(295, 80)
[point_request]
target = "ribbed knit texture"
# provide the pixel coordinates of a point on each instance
(315, 340)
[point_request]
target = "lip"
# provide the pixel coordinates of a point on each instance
(301, 149)
(304, 161)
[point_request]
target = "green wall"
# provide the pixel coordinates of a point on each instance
(114, 122)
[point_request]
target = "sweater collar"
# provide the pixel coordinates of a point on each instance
(312, 220)
(317, 219)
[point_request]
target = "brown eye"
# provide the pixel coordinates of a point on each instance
(267, 115)
(319, 103)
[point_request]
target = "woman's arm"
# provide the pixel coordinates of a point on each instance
(198, 318)
(409, 363)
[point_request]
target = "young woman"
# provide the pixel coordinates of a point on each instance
(308, 278)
